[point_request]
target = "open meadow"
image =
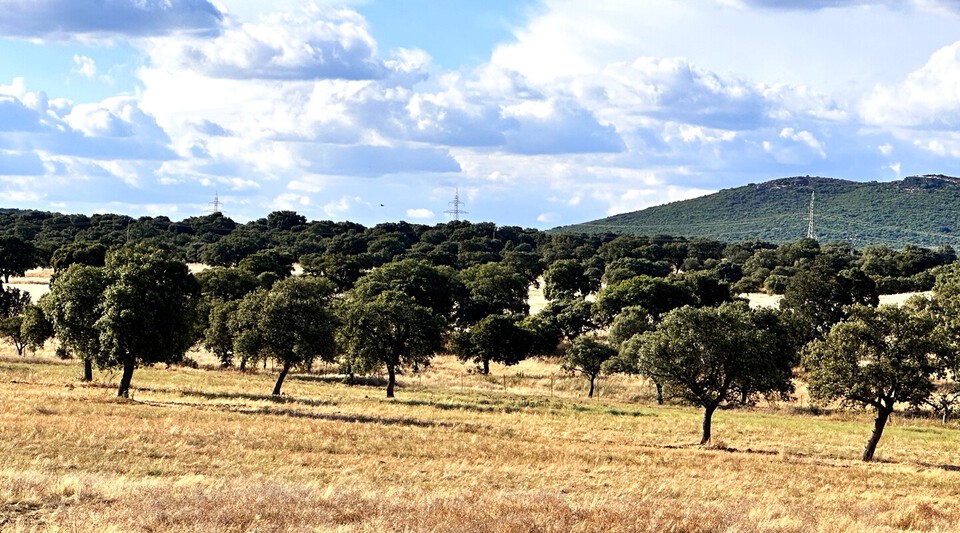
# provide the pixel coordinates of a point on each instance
(520, 450)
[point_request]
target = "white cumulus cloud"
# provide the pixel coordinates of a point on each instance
(420, 213)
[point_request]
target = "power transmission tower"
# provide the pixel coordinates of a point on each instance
(811, 231)
(457, 204)
(216, 203)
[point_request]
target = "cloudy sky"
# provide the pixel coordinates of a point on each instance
(541, 112)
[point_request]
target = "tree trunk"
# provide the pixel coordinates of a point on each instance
(590, 394)
(391, 379)
(124, 390)
(883, 414)
(707, 419)
(486, 367)
(659, 392)
(946, 415)
(87, 370)
(243, 364)
(283, 374)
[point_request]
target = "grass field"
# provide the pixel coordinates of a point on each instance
(206, 449)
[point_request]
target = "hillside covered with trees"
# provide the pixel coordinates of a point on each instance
(919, 210)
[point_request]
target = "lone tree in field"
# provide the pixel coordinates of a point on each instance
(389, 330)
(587, 356)
(711, 356)
(148, 311)
(879, 357)
(292, 324)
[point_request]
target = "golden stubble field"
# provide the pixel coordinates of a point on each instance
(208, 450)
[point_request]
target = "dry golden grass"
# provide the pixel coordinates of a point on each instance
(206, 449)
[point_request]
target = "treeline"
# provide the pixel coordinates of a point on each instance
(342, 251)
(386, 299)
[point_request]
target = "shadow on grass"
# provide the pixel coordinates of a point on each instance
(946, 467)
(257, 397)
(715, 448)
(353, 418)
(369, 381)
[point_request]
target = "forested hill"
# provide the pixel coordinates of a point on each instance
(920, 210)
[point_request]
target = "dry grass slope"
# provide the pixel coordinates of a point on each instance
(203, 449)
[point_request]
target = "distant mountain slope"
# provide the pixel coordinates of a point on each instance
(921, 210)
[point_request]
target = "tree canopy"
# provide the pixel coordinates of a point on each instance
(711, 356)
(148, 311)
(879, 357)
(587, 356)
(292, 323)
(390, 329)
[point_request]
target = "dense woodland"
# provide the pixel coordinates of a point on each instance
(386, 299)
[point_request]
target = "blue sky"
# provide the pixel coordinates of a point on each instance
(541, 112)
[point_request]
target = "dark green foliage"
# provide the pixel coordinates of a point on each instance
(35, 328)
(656, 295)
(13, 304)
(545, 334)
(436, 288)
(285, 220)
(85, 253)
(16, 257)
(148, 311)
(388, 329)
(574, 317)
(343, 271)
(628, 267)
(292, 323)
(707, 287)
(566, 279)
(526, 263)
(231, 249)
(493, 289)
(222, 284)
(277, 264)
(495, 338)
(73, 306)
(711, 356)
(921, 211)
(878, 357)
(587, 356)
(13, 301)
(10, 329)
(631, 321)
(815, 299)
(219, 334)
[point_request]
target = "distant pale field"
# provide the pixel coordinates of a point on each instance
(759, 299)
(521, 450)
